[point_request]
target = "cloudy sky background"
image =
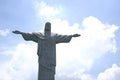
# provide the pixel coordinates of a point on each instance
(93, 56)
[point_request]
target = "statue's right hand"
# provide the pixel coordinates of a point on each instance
(16, 32)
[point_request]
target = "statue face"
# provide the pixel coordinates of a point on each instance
(47, 30)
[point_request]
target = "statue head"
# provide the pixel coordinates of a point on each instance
(47, 30)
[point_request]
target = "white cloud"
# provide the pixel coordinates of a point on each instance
(23, 64)
(112, 73)
(78, 56)
(46, 11)
(4, 32)
(87, 77)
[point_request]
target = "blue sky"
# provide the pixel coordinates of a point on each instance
(93, 56)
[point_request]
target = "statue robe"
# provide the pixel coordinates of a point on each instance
(46, 51)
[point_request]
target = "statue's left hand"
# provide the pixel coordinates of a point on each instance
(76, 35)
(16, 32)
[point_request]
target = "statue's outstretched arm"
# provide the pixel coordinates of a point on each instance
(27, 36)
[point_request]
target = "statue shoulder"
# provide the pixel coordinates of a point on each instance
(53, 34)
(38, 34)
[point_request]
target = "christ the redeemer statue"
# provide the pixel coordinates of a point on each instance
(46, 49)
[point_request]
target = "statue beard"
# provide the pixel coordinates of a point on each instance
(47, 34)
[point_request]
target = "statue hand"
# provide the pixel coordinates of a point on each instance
(16, 32)
(76, 35)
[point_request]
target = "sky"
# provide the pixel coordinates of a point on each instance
(92, 56)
